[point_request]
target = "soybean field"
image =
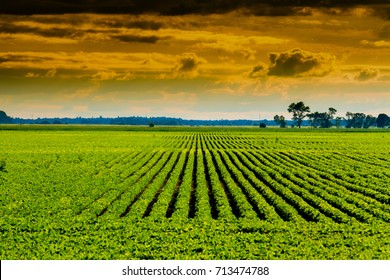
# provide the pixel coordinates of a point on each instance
(90, 192)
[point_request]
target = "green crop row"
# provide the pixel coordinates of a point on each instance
(311, 179)
(194, 193)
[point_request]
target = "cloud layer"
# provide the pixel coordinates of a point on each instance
(376, 44)
(177, 7)
(197, 64)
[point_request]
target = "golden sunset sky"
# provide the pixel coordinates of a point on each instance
(193, 59)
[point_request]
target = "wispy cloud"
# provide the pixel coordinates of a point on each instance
(376, 44)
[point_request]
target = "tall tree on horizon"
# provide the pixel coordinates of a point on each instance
(369, 121)
(323, 120)
(355, 120)
(280, 120)
(383, 120)
(299, 111)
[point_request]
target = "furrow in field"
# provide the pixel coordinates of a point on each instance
(212, 163)
(101, 205)
(173, 200)
(190, 142)
(217, 145)
(192, 201)
(91, 199)
(203, 207)
(259, 203)
(370, 174)
(181, 206)
(211, 198)
(335, 201)
(226, 143)
(239, 144)
(240, 205)
(183, 143)
(162, 181)
(274, 194)
(223, 208)
(140, 189)
(130, 167)
(209, 142)
(363, 160)
(111, 164)
(312, 180)
(330, 172)
(179, 142)
(278, 171)
(341, 180)
(95, 193)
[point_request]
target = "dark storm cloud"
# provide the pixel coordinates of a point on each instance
(187, 65)
(295, 63)
(22, 58)
(47, 19)
(300, 63)
(383, 11)
(173, 7)
(10, 28)
(259, 70)
(140, 24)
(77, 20)
(136, 39)
(112, 27)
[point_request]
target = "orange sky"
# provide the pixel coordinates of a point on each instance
(229, 65)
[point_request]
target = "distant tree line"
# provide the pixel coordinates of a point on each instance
(132, 120)
(301, 115)
(327, 119)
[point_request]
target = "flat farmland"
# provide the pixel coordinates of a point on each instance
(95, 192)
